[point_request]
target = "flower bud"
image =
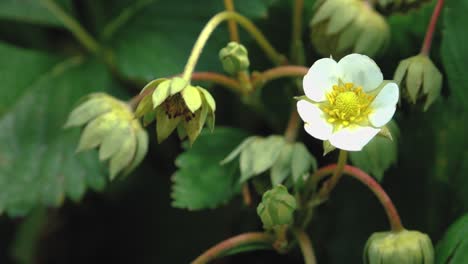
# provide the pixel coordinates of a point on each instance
(175, 103)
(419, 80)
(389, 6)
(340, 27)
(234, 58)
(112, 126)
(403, 247)
(277, 208)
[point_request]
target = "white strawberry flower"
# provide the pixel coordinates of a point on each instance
(346, 102)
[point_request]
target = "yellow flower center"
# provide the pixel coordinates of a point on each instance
(347, 104)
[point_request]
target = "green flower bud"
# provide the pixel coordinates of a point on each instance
(419, 80)
(111, 125)
(277, 208)
(174, 103)
(404, 247)
(234, 58)
(340, 27)
(389, 6)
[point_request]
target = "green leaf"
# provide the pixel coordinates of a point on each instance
(200, 181)
(379, 154)
(260, 155)
(154, 38)
(38, 165)
(32, 65)
(453, 50)
(281, 169)
(453, 248)
(31, 11)
(302, 162)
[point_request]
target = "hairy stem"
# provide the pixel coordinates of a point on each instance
(306, 246)
(211, 26)
(230, 243)
(71, 24)
(366, 179)
(232, 25)
(426, 47)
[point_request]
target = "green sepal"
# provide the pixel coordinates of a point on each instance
(177, 84)
(209, 99)
(432, 83)
(161, 93)
(86, 111)
(94, 133)
(414, 79)
(124, 156)
(181, 131)
(327, 147)
(146, 104)
(110, 144)
(192, 98)
(164, 124)
(194, 126)
(141, 150)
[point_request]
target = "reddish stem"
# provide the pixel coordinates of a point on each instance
(231, 243)
(426, 47)
(218, 79)
(374, 186)
(232, 25)
(278, 72)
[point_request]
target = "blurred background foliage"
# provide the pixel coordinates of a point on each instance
(58, 207)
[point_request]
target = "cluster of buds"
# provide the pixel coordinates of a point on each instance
(340, 27)
(176, 104)
(111, 125)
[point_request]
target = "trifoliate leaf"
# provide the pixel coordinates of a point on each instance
(200, 181)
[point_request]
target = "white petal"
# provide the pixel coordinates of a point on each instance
(360, 70)
(315, 123)
(353, 138)
(320, 78)
(384, 105)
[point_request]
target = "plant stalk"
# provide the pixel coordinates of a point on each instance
(197, 49)
(306, 246)
(233, 242)
(427, 43)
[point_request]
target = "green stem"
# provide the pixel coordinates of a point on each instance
(297, 49)
(211, 26)
(306, 246)
(331, 183)
(230, 243)
(78, 31)
(233, 32)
